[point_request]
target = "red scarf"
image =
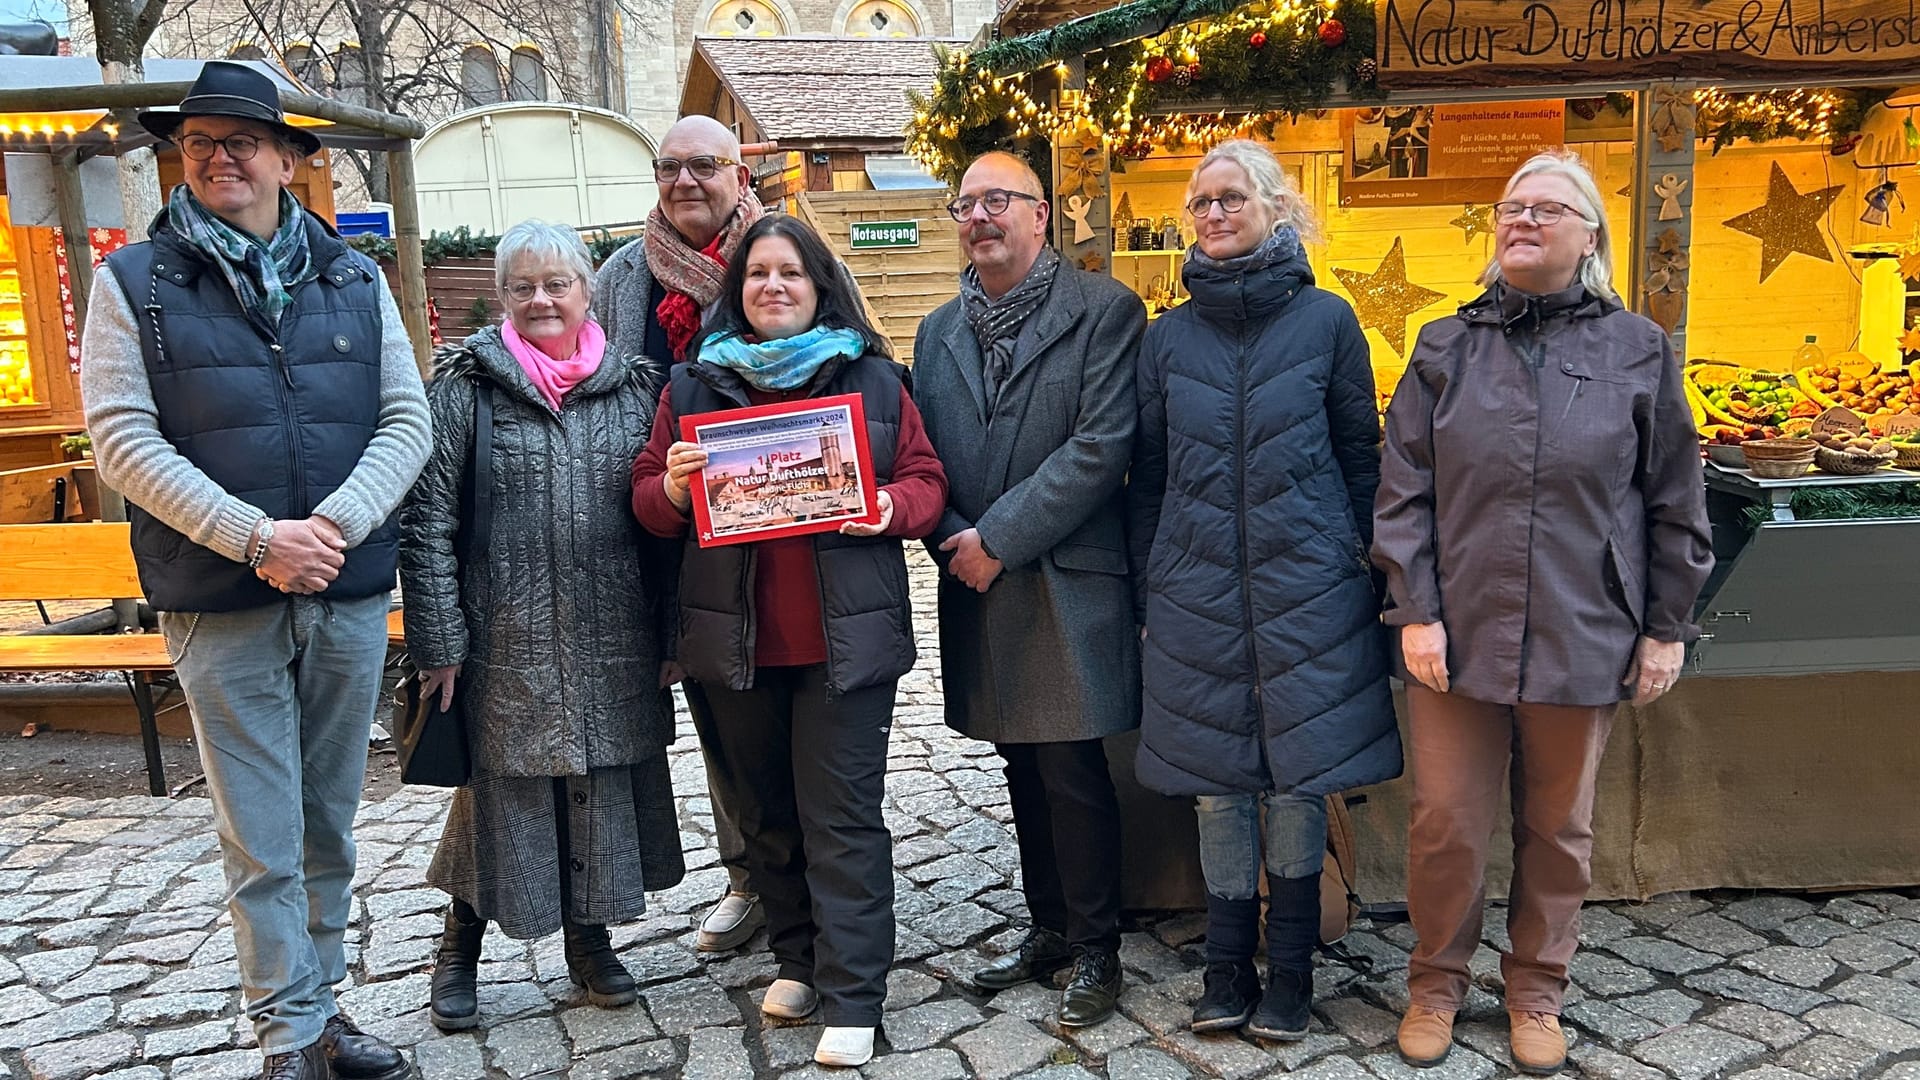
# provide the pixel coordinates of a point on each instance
(678, 313)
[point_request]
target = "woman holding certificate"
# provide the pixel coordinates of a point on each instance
(797, 639)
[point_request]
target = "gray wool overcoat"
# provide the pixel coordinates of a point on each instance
(1049, 653)
(560, 628)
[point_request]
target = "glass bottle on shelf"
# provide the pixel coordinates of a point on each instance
(1809, 355)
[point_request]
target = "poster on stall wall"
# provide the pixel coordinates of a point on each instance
(1435, 155)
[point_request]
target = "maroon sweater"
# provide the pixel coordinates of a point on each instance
(786, 584)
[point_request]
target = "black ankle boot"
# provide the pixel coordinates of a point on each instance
(455, 998)
(1232, 986)
(592, 965)
(353, 1054)
(1293, 929)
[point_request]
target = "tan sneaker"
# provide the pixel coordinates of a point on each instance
(1539, 1046)
(1426, 1036)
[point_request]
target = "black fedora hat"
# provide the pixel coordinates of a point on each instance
(229, 89)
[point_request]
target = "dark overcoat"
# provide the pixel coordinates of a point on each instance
(1049, 653)
(1252, 509)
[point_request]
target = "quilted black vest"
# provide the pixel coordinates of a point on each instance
(276, 416)
(863, 580)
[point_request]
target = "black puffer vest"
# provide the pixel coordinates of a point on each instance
(277, 417)
(863, 580)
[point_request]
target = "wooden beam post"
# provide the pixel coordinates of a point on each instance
(1082, 185)
(1664, 137)
(406, 242)
(71, 202)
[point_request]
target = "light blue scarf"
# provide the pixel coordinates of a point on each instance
(783, 363)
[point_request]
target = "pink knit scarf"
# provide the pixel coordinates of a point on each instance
(553, 377)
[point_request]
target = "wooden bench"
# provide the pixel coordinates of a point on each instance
(83, 561)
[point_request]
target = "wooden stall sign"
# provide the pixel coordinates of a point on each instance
(1838, 420)
(1905, 423)
(1447, 43)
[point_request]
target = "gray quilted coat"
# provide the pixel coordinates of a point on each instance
(1251, 509)
(558, 628)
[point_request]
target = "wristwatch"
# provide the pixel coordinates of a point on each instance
(264, 533)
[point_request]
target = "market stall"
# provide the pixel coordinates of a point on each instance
(1751, 154)
(60, 130)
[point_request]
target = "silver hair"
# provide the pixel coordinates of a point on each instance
(1270, 185)
(1596, 269)
(543, 241)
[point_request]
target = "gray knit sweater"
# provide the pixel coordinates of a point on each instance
(136, 460)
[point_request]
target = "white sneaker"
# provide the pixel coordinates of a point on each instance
(731, 922)
(845, 1046)
(790, 999)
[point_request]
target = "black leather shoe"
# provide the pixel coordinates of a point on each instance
(453, 994)
(592, 965)
(1093, 990)
(351, 1054)
(307, 1063)
(1043, 953)
(1286, 1008)
(1232, 989)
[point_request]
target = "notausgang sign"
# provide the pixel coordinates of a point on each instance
(1427, 43)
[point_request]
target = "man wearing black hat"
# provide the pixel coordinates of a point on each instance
(250, 388)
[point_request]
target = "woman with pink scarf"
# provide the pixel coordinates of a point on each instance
(545, 620)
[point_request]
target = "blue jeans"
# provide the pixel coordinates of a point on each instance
(1231, 854)
(282, 697)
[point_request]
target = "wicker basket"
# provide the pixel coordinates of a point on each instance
(1729, 455)
(1848, 462)
(1777, 449)
(1781, 468)
(1907, 455)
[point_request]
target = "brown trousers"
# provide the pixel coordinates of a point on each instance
(1460, 753)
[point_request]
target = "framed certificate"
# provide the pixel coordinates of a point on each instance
(781, 470)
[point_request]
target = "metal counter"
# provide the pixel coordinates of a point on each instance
(1796, 597)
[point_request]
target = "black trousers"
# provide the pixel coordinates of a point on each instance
(805, 777)
(1067, 819)
(726, 830)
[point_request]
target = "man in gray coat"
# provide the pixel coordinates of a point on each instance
(653, 295)
(1025, 381)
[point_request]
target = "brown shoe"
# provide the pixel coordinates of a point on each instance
(1539, 1047)
(1426, 1036)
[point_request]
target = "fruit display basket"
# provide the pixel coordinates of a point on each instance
(1729, 455)
(1850, 462)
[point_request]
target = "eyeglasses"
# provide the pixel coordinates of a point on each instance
(1232, 202)
(1544, 213)
(996, 201)
(522, 291)
(667, 170)
(239, 147)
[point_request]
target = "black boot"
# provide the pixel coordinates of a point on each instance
(592, 965)
(307, 1063)
(1293, 929)
(1093, 990)
(456, 1000)
(353, 1054)
(1232, 986)
(1039, 956)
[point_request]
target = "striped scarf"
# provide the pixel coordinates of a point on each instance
(996, 323)
(261, 275)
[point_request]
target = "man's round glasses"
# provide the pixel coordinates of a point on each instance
(996, 201)
(1232, 202)
(555, 287)
(667, 170)
(1544, 213)
(239, 147)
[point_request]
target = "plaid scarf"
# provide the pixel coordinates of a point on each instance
(996, 323)
(693, 278)
(261, 275)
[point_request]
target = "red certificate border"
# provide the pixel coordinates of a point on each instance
(863, 455)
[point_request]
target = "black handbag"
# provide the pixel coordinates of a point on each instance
(432, 742)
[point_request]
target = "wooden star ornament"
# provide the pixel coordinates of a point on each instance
(1788, 222)
(1385, 298)
(1910, 341)
(1474, 220)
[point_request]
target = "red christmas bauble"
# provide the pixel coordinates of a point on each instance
(1158, 69)
(1258, 40)
(1333, 33)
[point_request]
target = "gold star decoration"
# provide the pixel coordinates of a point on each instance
(1092, 263)
(1384, 298)
(1787, 222)
(1910, 266)
(1474, 220)
(1910, 341)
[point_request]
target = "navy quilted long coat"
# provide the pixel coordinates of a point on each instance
(1251, 507)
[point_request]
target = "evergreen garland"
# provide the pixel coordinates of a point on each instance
(1851, 503)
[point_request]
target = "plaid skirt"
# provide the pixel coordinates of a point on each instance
(523, 850)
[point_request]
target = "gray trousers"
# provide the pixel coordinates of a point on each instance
(282, 697)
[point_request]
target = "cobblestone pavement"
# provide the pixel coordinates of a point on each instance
(116, 960)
